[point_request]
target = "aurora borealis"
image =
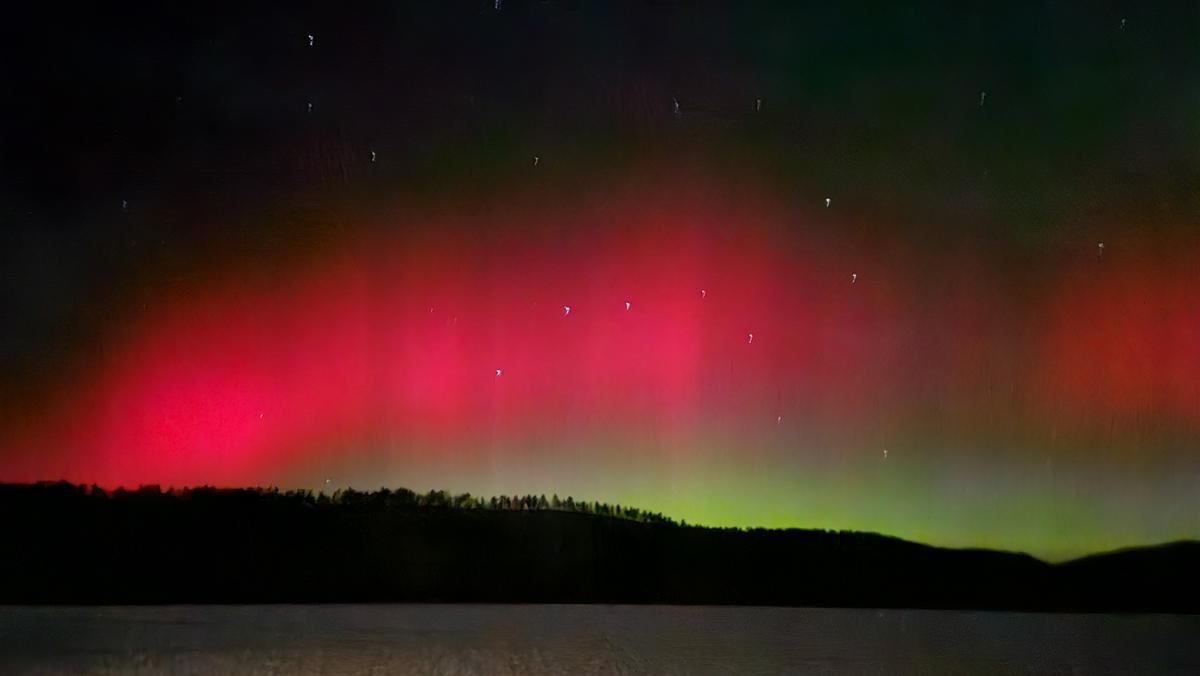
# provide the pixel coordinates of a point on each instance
(376, 292)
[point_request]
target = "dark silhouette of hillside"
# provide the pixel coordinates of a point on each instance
(74, 544)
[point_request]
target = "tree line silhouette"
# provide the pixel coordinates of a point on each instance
(66, 543)
(384, 498)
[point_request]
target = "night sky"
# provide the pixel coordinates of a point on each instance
(931, 271)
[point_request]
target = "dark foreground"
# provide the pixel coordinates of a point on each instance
(67, 545)
(554, 639)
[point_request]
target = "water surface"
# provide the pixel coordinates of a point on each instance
(570, 639)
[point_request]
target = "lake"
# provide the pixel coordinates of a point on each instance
(577, 639)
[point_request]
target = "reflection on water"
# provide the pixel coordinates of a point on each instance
(554, 639)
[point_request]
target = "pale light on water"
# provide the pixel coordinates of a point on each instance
(567, 639)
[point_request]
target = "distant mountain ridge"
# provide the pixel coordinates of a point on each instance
(72, 544)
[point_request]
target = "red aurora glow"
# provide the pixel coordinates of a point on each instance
(402, 337)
